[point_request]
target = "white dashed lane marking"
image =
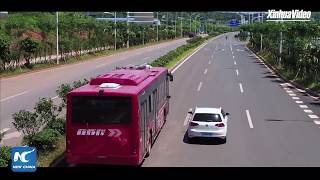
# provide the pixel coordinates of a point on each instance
(307, 111)
(199, 86)
(299, 102)
(303, 106)
(312, 116)
(295, 98)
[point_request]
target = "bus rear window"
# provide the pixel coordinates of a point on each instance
(101, 109)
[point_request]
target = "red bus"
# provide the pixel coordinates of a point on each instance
(116, 117)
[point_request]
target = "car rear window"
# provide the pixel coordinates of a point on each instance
(206, 117)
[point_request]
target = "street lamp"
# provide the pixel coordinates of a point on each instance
(180, 24)
(57, 18)
(175, 26)
(157, 26)
(115, 28)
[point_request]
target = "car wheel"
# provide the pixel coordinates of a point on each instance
(189, 139)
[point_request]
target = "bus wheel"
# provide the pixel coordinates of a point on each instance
(149, 147)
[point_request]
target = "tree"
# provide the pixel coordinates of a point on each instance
(29, 47)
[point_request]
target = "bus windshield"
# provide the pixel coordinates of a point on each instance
(101, 109)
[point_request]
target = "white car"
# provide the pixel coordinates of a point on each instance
(208, 122)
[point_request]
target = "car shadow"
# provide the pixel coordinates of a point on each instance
(202, 141)
(271, 76)
(315, 103)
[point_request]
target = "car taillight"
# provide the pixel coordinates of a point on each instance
(220, 125)
(193, 124)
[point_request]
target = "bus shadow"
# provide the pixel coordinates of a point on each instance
(202, 141)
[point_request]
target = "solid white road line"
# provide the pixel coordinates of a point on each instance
(295, 98)
(313, 116)
(54, 97)
(12, 135)
(241, 89)
(4, 130)
(187, 58)
(303, 106)
(237, 72)
(307, 111)
(205, 71)
(10, 97)
(199, 86)
(249, 119)
(235, 63)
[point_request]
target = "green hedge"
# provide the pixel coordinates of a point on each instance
(44, 140)
(165, 59)
(59, 125)
(5, 156)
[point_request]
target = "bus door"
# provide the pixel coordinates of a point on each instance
(143, 127)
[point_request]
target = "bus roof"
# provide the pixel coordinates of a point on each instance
(130, 81)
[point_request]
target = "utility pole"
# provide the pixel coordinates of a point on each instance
(261, 42)
(157, 26)
(190, 24)
(181, 24)
(115, 30)
(57, 18)
(128, 29)
(175, 26)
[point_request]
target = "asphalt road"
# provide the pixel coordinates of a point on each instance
(23, 91)
(267, 126)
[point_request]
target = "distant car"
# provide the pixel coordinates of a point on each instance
(208, 122)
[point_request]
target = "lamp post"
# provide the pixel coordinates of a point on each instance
(128, 29)
(157, 26)
(115, 28)
(57, 18)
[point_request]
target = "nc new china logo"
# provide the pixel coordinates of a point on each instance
(24, 159)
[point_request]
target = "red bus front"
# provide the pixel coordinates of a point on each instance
(102, 129)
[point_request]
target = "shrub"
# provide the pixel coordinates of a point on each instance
(44, 140)
(58, 125)
(26, 122)
(5, 156)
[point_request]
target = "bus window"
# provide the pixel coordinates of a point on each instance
(98, 110)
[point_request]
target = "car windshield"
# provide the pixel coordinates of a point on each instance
(206, 117)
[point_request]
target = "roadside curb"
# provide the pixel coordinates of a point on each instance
(296, 85)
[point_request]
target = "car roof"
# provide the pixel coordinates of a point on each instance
(207, 110)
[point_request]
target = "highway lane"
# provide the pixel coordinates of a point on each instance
(23, 91)
(267, 127)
